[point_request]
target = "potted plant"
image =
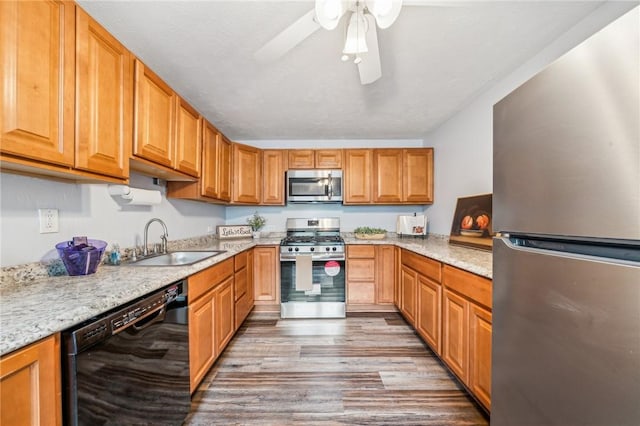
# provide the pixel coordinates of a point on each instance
(256, 222)
(367, 233)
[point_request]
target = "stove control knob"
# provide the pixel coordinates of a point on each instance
(312, 248)
(297, 249)
(327, 249)
(290, 249)
(333, 248)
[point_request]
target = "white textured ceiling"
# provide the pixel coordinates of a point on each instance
(434, 60)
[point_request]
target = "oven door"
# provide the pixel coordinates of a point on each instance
(325, 300)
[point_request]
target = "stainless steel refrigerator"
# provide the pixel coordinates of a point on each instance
(566, 268)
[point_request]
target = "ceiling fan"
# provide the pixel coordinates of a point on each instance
(361, 39)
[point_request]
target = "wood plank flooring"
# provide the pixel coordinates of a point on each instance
(366, 369)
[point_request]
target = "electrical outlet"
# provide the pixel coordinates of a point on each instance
(209, 229)
(48, 220)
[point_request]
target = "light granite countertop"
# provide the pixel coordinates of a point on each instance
(36, 309)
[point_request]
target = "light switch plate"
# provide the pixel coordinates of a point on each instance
(48, 220)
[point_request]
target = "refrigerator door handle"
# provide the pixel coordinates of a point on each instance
(612, 253)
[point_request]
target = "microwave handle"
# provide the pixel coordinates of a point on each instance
(329, 187)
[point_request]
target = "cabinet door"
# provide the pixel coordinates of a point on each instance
(265, 269)
(37, 57)
(154, 119)
(357, 176)
(202, 349)
(224, 314)
(301, 159)
(224, 169)
(480, 354)
(188, 138)
(105, 100)
(30, 385)
(387, 175)
(273, 167)
(455, 346)
(428, 321)
(418, 175)
(247, 182)
(385, 273)
(210, 182)
(398, 277)
(408, 283)
(328, 158)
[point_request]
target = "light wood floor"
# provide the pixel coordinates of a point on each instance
(363, 370)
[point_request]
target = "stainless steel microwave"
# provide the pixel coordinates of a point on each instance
(314, 186)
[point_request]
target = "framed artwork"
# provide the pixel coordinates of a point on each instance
(472, 222)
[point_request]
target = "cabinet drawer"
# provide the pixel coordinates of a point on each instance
(240, 261)
(361, 251)
(425, 266)
(205, 280)
(361, 270)
(470, 285)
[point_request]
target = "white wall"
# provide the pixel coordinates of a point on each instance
(463, 145)
(89, 210)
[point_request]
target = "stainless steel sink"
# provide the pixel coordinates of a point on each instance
(177, 258)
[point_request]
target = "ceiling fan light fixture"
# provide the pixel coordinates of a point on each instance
(329, 12)
(356, 41)
(385, 11)
(344, 58)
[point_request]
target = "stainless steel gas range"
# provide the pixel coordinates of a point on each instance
(312, 269)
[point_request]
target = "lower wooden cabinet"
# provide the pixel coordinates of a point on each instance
(428, 321)
(30, 389)
(466, 330)
(451, 310)
(243, 286)
(266, 268)
(480, 354)
(211, 317)
(370, 274)
(455, 329)
(224, 314)
(202, 348)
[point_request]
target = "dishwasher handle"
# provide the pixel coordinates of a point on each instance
(140, 321)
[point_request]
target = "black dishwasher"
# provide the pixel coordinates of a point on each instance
(130, 365)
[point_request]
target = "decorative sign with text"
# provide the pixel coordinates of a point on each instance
(234, 231)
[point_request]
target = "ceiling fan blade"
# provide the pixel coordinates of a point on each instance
(289, 38)
(450, 3)
(369, 68)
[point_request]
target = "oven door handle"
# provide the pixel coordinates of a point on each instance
(320, 259)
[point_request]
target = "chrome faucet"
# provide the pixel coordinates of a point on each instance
(145, 250)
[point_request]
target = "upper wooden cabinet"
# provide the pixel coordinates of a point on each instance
(274, 164)
(49, 126)
(215, 183)
(403, 176)
(315, 159)
(37, 57)
(388, 176)
(247, 181)
(188, 138)
(104, 118)
(357, 176)
(163, 123)
(155, 118)
(301, 159)
(31, 385)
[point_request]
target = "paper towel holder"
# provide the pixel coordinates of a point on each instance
(135, 196)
